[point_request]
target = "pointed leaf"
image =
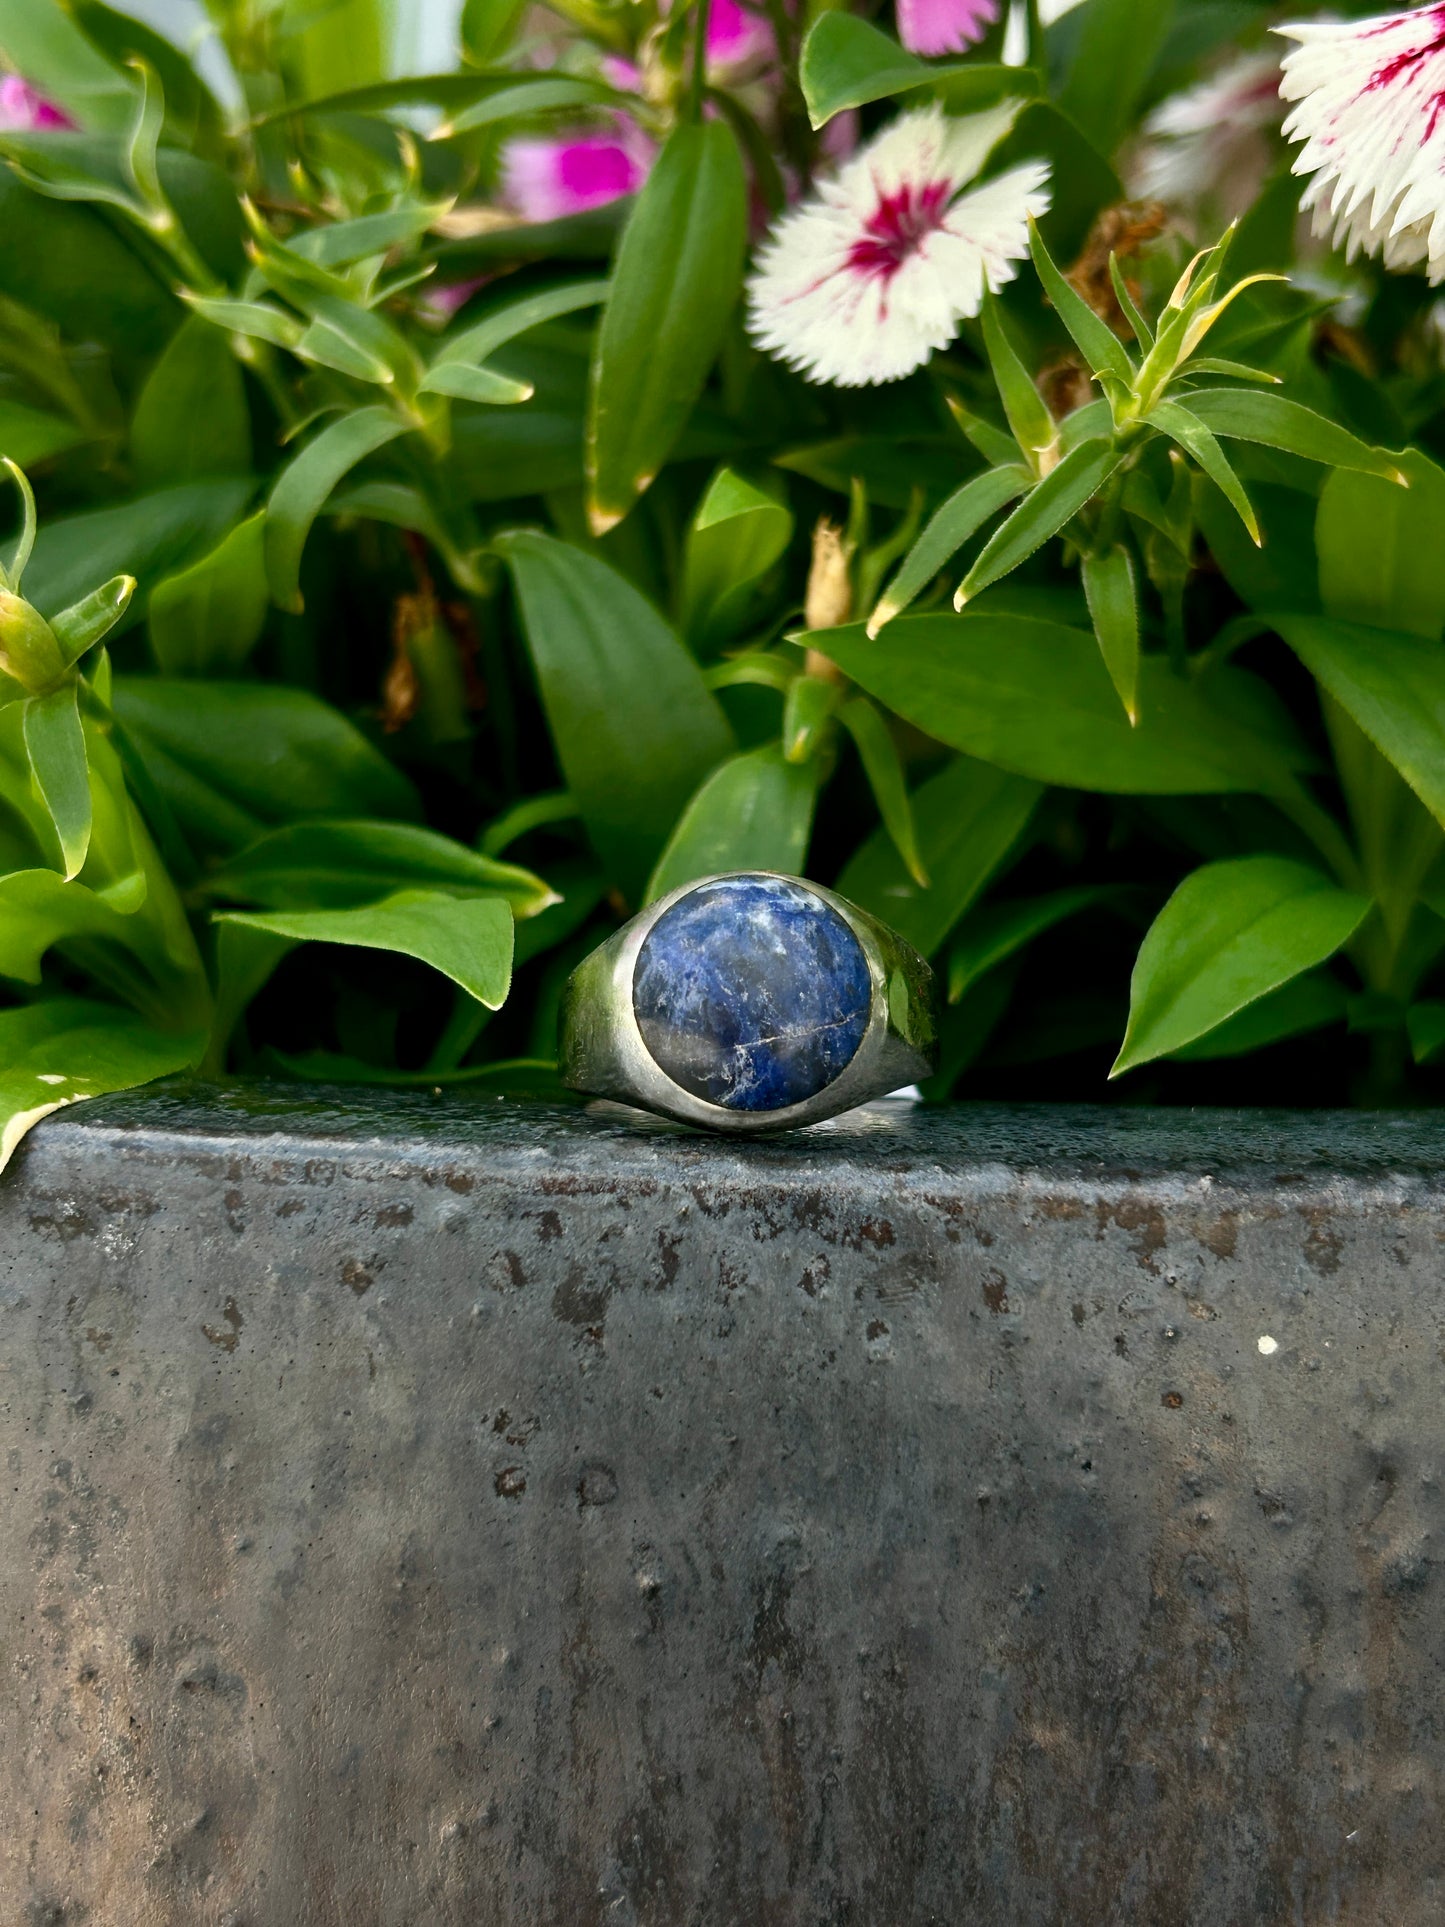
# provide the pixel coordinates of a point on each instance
(1046, 509)
(1034, 428)
(739, 532)
(846, 62)
(1231, 933)
(55, 744)
(883, 767)
(233, 758)
(1242, 414)
(961, 516)
(300, 494)
(257, 320)
(755, 812)
(679, 268)
(1114, 606)
(85, 623)
(1181, 425)
(468, 939)
(1093, 337)
(340, 864)
(635, 728)
(970, 821)
(483, 385)
(1035, 697)
(39, 908)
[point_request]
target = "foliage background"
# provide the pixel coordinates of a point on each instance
(421, 690)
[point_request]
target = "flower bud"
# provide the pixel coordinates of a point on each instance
(28, 649)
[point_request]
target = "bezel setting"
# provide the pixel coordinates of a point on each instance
(602, 1052)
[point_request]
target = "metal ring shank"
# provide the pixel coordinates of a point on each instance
(601, 1051)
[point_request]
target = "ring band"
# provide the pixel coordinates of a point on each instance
(748, 1002)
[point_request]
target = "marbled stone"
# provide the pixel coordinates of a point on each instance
(752, 993)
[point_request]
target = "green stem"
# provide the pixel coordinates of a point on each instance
(699, 59)
(1326, 835)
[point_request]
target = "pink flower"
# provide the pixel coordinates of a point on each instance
(863, 281)
(944, 26)
(547, 179)
(23, 111)
(1370, 108)
(736, 37)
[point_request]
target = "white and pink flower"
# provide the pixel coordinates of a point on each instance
(876, 270)
(1212, 144)
(1370, 109)
(24, 111)
(544, 180)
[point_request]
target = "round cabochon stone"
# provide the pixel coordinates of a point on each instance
(752, 993)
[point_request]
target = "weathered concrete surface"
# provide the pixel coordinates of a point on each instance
(483, 1516)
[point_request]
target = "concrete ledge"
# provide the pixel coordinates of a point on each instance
(482, 1515)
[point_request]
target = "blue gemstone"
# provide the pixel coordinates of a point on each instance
(753, 993)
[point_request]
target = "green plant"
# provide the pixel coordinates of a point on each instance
(469, 578)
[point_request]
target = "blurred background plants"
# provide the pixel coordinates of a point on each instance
(429, 569)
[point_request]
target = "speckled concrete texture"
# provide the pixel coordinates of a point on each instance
(463, 1514)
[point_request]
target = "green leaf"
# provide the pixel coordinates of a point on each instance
(1114, 606)
(1035, 697)
(88, 621)
(55, 744)
(960, 517)
(39, 908)
(1307, 1003)
(232, 758)
(1246, 415)
(970, 820)
(340, 244)
(510, 319)
(205, 620)
(999, 931)
(1231, 933)
(809, 703)
(481, 385)
(65, 1049)
(468, 939)
(755, 812)
(679, 269)
(542, 95)
(635, 728)
(1094, 338)
(300, 494)
(29, 436)
(147, 537)
(1034, 428)
(1114, 56)
(846, 63)
(1046, 509)
(487, 27)
(255, 320)
(1393, 686)
(339, 864)
(1181, 425)
(1381, 560)
(883, 767)
(739, 531)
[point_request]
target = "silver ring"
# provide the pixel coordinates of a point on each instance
(748, 1002)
